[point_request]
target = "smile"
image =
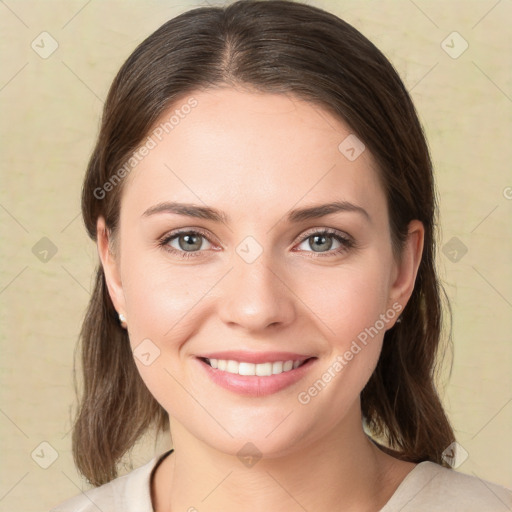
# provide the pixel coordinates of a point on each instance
(255, 374)
(259, 369)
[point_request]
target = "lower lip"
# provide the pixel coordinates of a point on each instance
(254, 385)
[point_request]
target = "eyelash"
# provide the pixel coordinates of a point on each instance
(345, 241)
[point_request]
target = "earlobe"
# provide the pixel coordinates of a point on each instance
(110, 266)
(407, 268)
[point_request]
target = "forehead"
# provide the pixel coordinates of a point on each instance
(248, 151)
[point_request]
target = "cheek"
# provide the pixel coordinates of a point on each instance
(165, 303)
(347, 300)
(161, 296)
(350, 306)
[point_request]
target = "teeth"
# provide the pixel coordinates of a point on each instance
(287, 366)
(241, 368)
(260, 369)
(277, 367)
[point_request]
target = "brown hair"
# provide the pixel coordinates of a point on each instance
(275, 46)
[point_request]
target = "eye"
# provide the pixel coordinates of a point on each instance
(322, 242)
(190, 243)
(185, 243)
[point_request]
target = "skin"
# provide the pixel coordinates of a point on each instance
(256, 156)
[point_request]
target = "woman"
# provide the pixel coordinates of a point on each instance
(262, 199)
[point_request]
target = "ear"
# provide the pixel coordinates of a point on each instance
(407, 268)
(110, 266)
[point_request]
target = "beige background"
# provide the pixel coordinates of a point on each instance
(50, 115)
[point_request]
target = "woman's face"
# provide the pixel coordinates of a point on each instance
(263, 286)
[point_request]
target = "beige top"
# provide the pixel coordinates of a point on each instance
(429, 487)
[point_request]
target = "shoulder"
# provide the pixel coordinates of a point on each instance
(431, 487)
(126, 493)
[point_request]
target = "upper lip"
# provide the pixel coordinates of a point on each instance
(255, 357)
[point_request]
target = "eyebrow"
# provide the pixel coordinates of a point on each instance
(294, 216)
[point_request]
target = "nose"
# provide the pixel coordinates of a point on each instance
(257, 296)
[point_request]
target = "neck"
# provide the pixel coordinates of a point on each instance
(344, 471)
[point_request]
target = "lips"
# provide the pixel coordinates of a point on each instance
(253, 373)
